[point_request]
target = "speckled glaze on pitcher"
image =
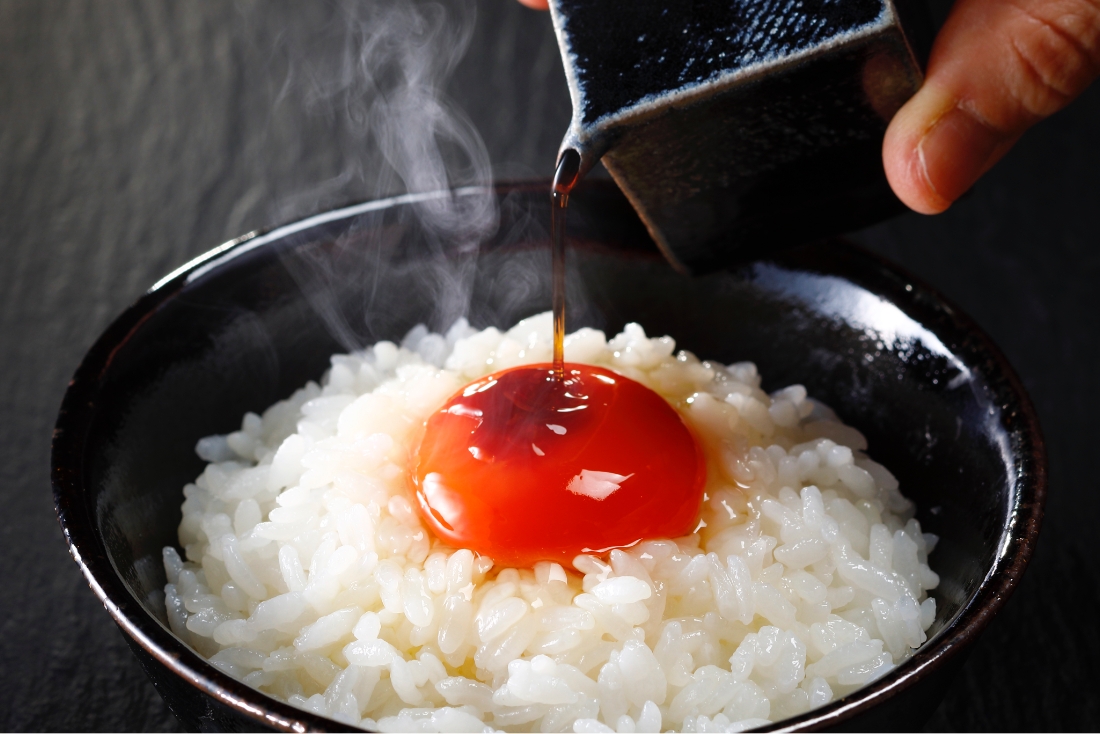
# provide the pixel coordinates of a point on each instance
(740, 125)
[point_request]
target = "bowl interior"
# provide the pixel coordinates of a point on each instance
(255, 321)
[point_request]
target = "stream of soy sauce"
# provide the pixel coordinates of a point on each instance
(511, 466)
(565, 178)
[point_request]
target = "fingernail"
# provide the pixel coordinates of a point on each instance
(954, 152)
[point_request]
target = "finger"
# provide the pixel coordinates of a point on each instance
(537, 4)
(997, 67)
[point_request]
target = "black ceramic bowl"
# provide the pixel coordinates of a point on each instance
(249, 322)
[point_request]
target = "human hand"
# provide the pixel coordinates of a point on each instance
(996, 68)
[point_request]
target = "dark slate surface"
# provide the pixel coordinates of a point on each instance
(135, 134)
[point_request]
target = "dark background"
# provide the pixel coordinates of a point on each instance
(136, 134)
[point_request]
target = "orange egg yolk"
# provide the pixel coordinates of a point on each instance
(522, 466)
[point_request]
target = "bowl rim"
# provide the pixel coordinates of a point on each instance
(88, 549)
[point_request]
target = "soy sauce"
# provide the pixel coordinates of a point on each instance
(545, 462)
(565, 178)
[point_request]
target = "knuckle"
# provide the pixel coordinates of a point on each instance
(1056, 49)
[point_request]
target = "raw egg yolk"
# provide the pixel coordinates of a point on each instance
(523, 466)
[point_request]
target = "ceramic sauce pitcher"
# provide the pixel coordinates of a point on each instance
(735, 126)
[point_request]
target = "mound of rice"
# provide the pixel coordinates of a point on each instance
(309, 576)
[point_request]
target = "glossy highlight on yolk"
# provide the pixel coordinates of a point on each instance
(523, 467)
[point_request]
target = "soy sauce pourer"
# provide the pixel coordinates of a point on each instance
(736, 126)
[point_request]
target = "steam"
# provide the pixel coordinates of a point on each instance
(384, 90)
(399, 58)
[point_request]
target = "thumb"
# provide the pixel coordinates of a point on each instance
(997, 67)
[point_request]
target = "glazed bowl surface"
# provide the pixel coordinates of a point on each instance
(251, 321)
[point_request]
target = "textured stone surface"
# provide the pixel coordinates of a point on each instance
(135, 134)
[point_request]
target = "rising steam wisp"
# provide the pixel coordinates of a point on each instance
(384, 89)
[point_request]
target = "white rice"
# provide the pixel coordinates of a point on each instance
(309, 576)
